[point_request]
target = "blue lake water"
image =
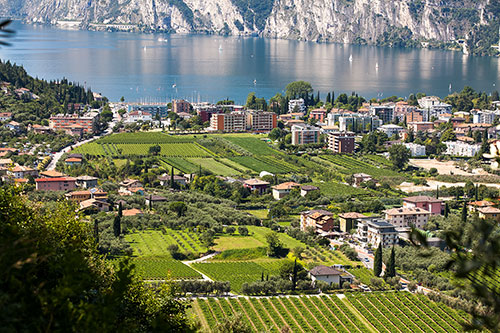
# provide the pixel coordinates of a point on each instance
(158, 67)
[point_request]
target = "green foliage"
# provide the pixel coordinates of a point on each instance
(397, 37)
(298, 89)
(399, 156)
(377, 263)
(254, 12)
(274, 245)
(390, 270)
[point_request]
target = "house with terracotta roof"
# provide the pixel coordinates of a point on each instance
(349, 221)
(306, 189)
(86, 181)
(407, 217)
(78, 196)
(132, 212)
(4, 116)
(19, 171)
(329, 275)
(283, 189)
(319, 220)
(433, 205)
(13, 126)
(55, 184)
(257, 185)
(6, 162)
(489, 213)
(51, 174)
(165, 180)
(129, 183)
(473, 205)
(94, 204)
(73, 161)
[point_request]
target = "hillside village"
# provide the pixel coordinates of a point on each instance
(295, 195)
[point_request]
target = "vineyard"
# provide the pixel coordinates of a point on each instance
(264, 163)
(366, 312)
(252, 145)
(349, 165)
(155, 242)
(214, 166)
(145, 138)
(338, 189)
(238, 272)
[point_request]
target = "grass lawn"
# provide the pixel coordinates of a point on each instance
(236, 242)
(259, 213)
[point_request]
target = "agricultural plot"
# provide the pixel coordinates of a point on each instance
(258, 165)
(236, 272)
(349, 165)
(91, 148)
(167, 149)
(155, 242)
(337, 189)
(369, 312)
(214, 166)
(252, 145)
(327, 257)
(144, 138)
(260, 233)
(181, 164)
(284, 166)
(159, 269)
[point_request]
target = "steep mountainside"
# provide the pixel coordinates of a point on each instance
(382, 22)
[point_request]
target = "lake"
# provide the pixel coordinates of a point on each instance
(158, 67)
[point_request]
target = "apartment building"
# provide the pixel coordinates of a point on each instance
(407, 217)
(433, 205)
(61, 122)
(319, 220)
(261, 121)
(318, 114)
(303, 134)
(180, 105)
(296, 105)
(228, 122)
(383, 112)
(376, 231)
(456, 148)
(415, 149)
(341, 142)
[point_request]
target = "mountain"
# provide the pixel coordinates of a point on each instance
(381, 22)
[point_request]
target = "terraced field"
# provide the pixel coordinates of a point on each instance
(358, 312)
(214, 166)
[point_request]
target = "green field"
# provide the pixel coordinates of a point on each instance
(238, 272)
(358, 312)
(251, 144)
(338, 189)
(145, 138)
(155, 242)
(180, 164)
(159, 269)
(349, 165)
(259, 165)
(214, 166)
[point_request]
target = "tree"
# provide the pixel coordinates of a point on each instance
(274, 246)
(464, 213)
(155, 150)
(233, 324)
(178, 207)
(96, 231)
(446, 210)
(243, 231)
(494, 96)
(448, 135)
(377, 263)
(390, 270)
(120, 210)
(122, 99)
(172, 179)
(298, 89)
(207, 238)
(399, 156)
(117, 226)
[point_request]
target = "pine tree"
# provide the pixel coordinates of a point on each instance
(150, 202)
(464, 213)
(390, 270)
(117, 226)
(377, 263)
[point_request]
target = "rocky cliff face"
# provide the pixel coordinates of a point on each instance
(359, 21)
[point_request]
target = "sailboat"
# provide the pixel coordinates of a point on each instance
(449, 88)
(220, 47)
(255, 82)
(376, 65)
(145, 49)
(350, 58)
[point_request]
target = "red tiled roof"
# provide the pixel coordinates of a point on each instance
(58, 179)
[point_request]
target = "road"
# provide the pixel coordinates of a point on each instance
(57, 156)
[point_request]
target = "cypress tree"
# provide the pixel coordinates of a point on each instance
(172, 178)
(294, 274)
(120, 210)
(333, 97)
(262, 277)
(329, 98)
(117, 228)
(477, 192)
(96, 231)
(391, 265)
(464, 213)
(437, 192)
(377, 263)
(150, 202)
(446, 210)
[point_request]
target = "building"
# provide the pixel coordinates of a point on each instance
(13, 126)
(132, 212)
(376, 231)
(228, 122)
(79, 196)
(358, 123)
(415, 116)
(474, 205)
(430, 204)
(86, 181)
(261, 121)
(456, 148)
(306, 189)
(318, 114)
(257, 185)
(283, 189)
(51, 174)
(153, 109)
(349, 221)
(136, 116)
(73, 161)
(407, 217)
(4, 116)
(391, 129)
(55, 184)
(296, 105)
(329, 275)
(166, 179)
(483, 117)
(341, 142)
(489, 213)
(94, 204)
(384, 112)
(180, 105)
(319, 220)
(305, 134)
(427, 102)
(19, 172)
(87, 122)
(359, 178)
(415, 149)
(420, 126)
(152, 199)
(130, 183)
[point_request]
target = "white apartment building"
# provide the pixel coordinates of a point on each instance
(415, 149)
(305, 134)
(391, 129)
(407, 217)
(457, 148)
(484, 117)
(136, 116)
(376, 231)
(296, 102)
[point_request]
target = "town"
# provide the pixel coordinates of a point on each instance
(359, 203)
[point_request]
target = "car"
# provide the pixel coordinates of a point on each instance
(366, 259)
